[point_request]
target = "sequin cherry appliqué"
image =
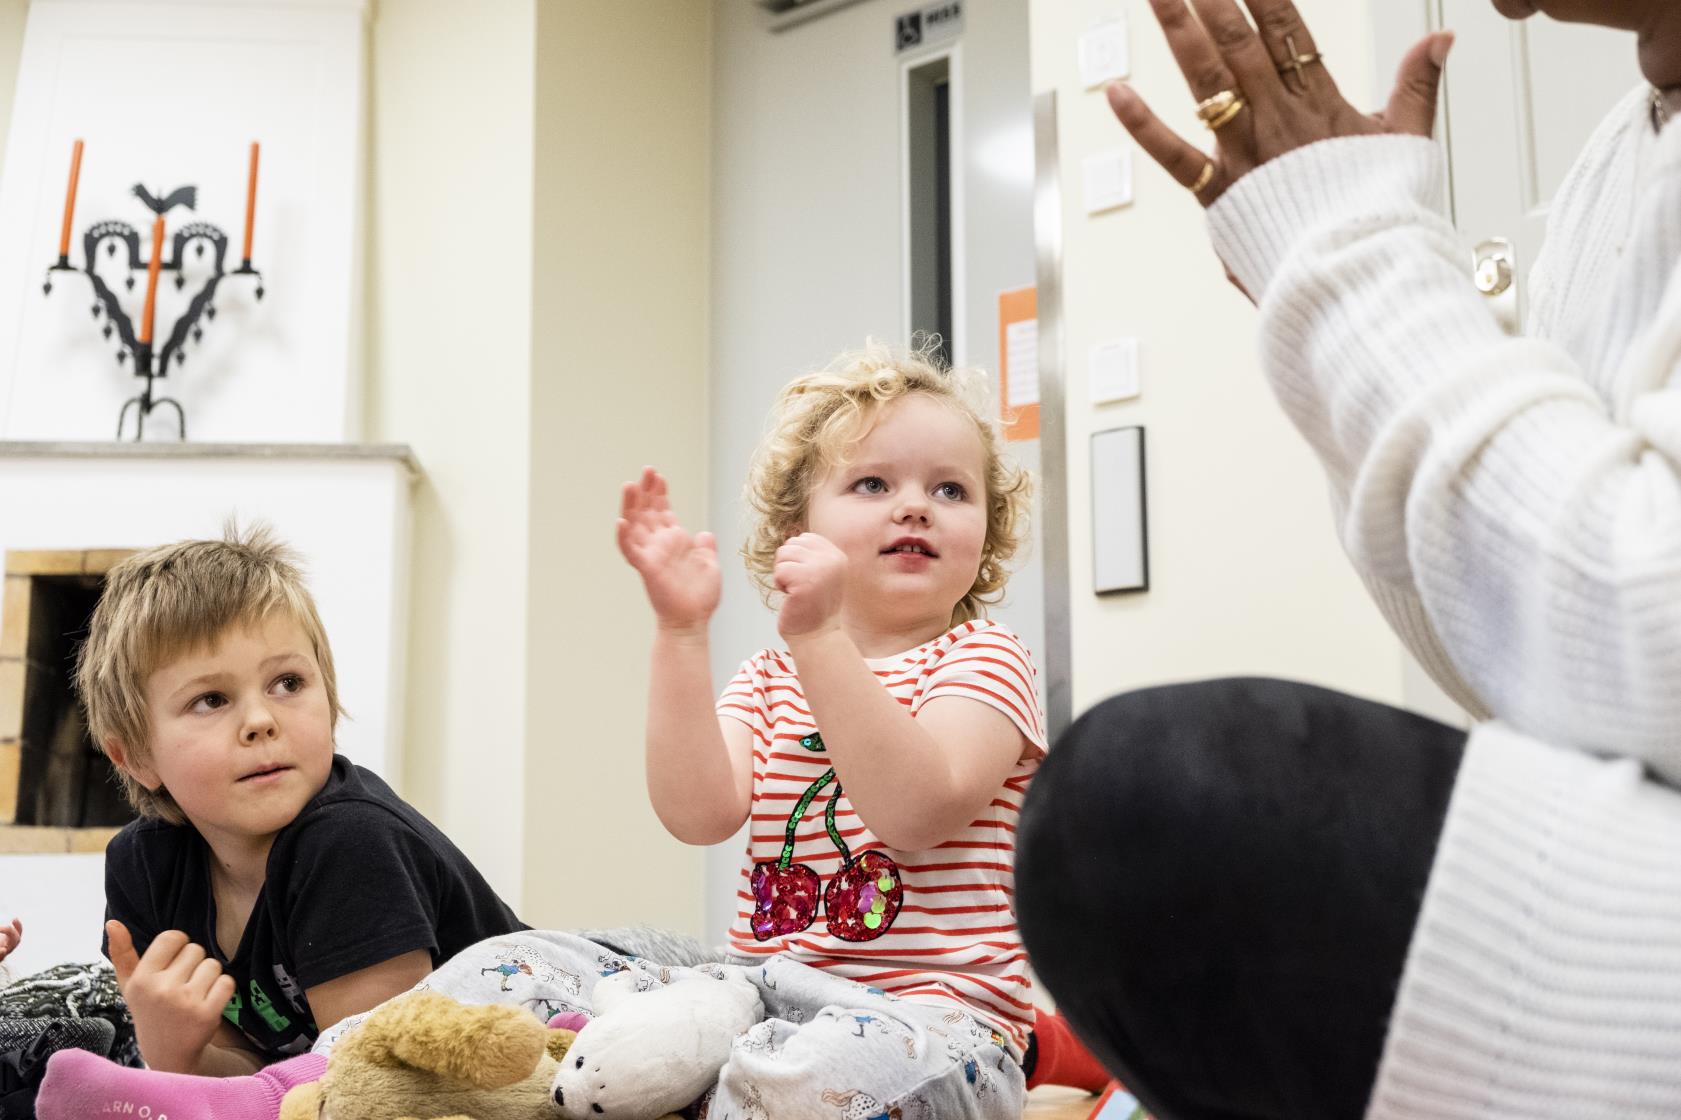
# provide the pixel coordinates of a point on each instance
(861, 900)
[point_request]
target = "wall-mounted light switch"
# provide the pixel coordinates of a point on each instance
(1104, 53)
(1108, 180)
(1114, 370)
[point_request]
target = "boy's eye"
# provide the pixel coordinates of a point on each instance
(953, 491)
(290, 682)
(209, 702)
(870, 485)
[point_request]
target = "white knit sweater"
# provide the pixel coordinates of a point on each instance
(1514, 506)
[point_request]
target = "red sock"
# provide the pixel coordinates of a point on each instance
(1062, 1059)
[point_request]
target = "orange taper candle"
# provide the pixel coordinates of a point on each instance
(152, 282)
(251, 201)
(70, 200)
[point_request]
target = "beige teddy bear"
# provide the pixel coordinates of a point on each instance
(425, 1056)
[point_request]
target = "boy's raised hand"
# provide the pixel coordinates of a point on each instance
(678, 569)
(811, 574)
(176, 993)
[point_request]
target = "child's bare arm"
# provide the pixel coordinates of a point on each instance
(366, 988)
(176, 993)
(228, 1055)
(906, 777)
(699, 767)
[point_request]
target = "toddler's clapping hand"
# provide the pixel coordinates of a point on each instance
(811, 573)
(679, 570)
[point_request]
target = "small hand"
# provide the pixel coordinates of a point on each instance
(10, 935)
(176, 993)
(679, 570)
(811, 574)
(1288, 104)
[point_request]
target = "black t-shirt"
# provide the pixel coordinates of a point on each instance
(357, 878)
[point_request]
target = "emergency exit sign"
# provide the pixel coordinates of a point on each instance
(932, 23)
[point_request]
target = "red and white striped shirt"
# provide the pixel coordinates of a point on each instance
(933, 926)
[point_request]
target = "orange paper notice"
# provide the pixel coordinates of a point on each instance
(1018, 362)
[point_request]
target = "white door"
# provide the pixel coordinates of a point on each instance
(1520, 101)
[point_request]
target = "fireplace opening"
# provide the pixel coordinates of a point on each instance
(58, 779)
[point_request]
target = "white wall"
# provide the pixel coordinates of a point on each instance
(623, 190)
(60, 380)
(71, 928)
(1246, 575)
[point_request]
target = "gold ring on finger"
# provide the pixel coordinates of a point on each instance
(1204, 179)
(1220, 120)
(1299, 60)
(1218, 105)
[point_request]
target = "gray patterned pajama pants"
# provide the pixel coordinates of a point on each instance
(828, 1048)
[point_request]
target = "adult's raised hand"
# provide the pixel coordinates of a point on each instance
(1265, 91)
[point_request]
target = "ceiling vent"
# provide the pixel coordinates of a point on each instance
(784, 14)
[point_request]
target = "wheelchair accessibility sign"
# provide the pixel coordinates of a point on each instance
(932, 23)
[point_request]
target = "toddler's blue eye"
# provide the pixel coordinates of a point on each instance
(952, 490)
(871, 485)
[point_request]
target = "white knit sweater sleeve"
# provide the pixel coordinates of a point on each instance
(1524, 541)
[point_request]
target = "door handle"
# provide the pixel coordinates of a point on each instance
(1494, 270)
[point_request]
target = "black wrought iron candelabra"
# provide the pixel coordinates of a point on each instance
(152, 362)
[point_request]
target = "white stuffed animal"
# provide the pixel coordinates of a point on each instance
(648, 1053)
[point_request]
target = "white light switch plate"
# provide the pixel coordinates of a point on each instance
(1104, 53)
(1120, 532)
(1108, 180)
(1114, 370)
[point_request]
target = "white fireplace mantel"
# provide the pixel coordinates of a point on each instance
(345, 508)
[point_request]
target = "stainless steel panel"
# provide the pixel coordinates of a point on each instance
(1053, 416)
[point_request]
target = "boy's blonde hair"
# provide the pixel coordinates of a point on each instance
(168, 601)
(818, 415)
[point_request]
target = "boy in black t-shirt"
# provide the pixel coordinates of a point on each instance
(270, 887)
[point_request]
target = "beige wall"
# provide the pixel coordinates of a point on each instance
(537, 321)
(12, 16)
(449, 260)
(619, 380)
(1246, 575)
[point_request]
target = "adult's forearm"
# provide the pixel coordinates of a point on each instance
(1525, 540)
